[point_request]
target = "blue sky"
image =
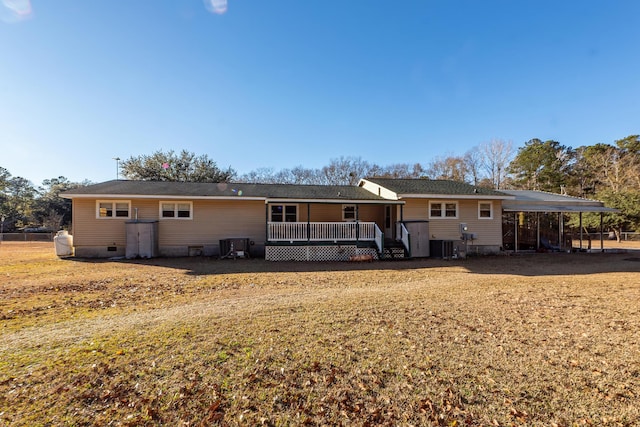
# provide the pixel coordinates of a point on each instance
(300, 82)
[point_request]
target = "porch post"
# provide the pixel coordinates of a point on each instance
(357, 223)
(308, 222)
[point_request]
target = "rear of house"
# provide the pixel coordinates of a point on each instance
(379, 217)
(460, 216)
(279, 222)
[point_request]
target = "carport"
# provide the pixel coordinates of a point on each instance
(537, 202)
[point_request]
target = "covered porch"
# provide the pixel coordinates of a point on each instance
(330, 230)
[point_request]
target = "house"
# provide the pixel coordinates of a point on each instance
(284, 222)
(379, 217)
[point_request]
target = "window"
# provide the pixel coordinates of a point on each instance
(179, 210)
(284, 213)
(435, 210)
(348, 212)
(485, 210)
(443, 210)
(451, 210)
(113, 208)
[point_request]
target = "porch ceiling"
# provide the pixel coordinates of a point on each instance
(336, 201)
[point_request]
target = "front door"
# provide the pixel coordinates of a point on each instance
(388, 222)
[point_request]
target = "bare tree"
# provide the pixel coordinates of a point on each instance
(259, 176)
(473, 162)
(496, 156)
(398, 171)
(451, 167)
(346, 171)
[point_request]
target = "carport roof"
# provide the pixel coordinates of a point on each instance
(540, 201)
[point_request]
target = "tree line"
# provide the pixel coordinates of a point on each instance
(607, 172)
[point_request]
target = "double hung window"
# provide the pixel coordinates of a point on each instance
(485, 210)
(443, 210)
(284, 213)
(179, 210)
(113, 209)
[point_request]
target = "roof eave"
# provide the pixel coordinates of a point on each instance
(157, 197)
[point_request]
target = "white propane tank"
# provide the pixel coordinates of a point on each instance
(63, 242)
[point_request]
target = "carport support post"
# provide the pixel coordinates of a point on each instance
(580, 216)
(601, 237)
(538, 230)
(515, 232)
(560, 231)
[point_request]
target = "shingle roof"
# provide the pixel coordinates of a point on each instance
(434, 187)
(223, 190)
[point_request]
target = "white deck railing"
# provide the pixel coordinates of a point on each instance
(320, 231)
(402, 234)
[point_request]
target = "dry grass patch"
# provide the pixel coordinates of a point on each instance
(532, 340)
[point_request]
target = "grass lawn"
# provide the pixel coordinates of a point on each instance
(540, 340)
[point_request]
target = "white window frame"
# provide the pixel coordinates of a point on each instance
(480, 203)
(114, 204)
(344, 211)
(443, 209)
(284, 211)
(175, 209)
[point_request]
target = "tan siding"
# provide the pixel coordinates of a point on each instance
(212, 221)
(215, 220)
(489, 231)
(415, 209)
(147, 209)
(89, 230)
(372, 213)
(323, 212)
(333, 213)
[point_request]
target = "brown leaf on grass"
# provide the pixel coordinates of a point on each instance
(214, 413)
